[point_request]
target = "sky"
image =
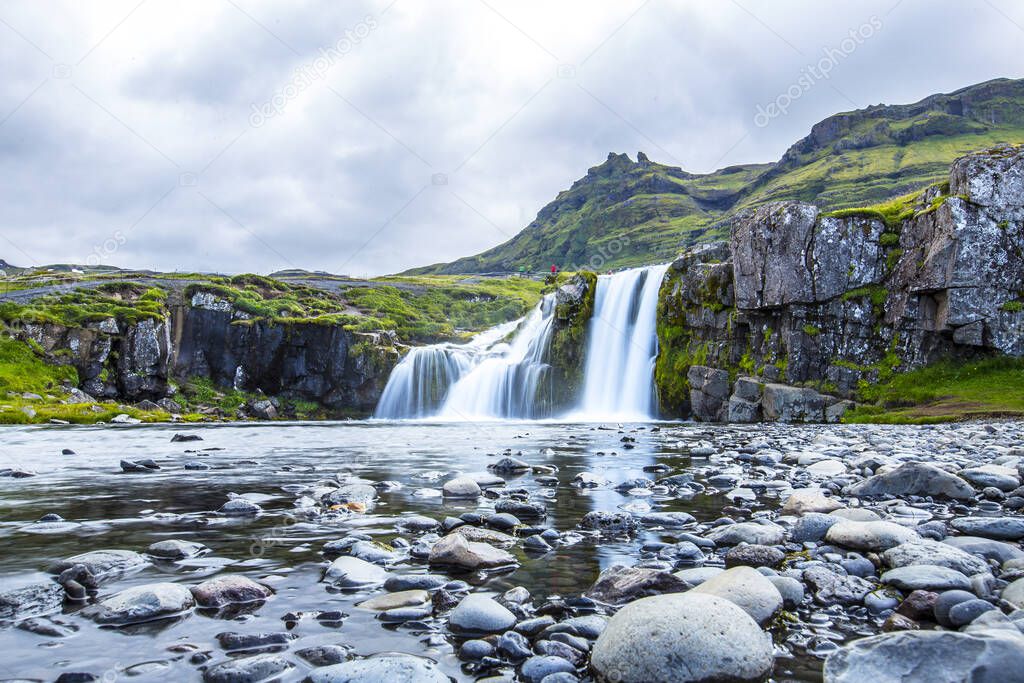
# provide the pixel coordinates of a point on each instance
(367, 137)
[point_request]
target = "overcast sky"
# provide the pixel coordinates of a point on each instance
(370, 137)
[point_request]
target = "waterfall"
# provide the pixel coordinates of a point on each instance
(622, 346)
(503, 373)
(489, 377)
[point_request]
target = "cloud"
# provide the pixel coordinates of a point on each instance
(403, 133)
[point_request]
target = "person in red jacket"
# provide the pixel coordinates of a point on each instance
(554, 269)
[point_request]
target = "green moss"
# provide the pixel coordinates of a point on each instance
(892, 258)
(812, 330)
(877, 294)
(22, 369)
(569, 341)
(892, 213)
(946, 391)
(889, 239)
(1012, 307)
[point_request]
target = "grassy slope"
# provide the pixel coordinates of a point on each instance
(946, 392)
(626, 213)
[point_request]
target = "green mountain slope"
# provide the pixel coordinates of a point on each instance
(625, 213)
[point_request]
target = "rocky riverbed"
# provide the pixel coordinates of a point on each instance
(512, 551)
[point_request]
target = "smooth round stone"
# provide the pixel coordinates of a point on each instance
(874, 536)
(363, 494)
(934, 553)
(856, 515)
(231, 589)
(102, 564)
(754, 556)
(829, 467)
(461, 487)
(933, 656)
(747, 532)
(351, 572)
(998, 528)
(389, 601)
(791, 590)
(682, 637)
(503, 520)
(947, 601)
(967, 611)
(388, 666)
(748, 589)
(913, 479)
(174, 549)
(1014, 594)
(993, 550)
(142, 603)
(812, 526)
(667, 519)
(926, 577)
(240, 507)
(698, 575)
(455, 551)
(480, 614)
(407, 582)
(803, 501)
(473, 650)
(880, 601)
(537, 669)
(417, 523)
(248, 670)
(1002, 478)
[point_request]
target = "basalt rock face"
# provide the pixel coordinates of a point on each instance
(574, 306)
(797, 297)
(205, 336)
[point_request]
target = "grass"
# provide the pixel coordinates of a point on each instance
(948, 391)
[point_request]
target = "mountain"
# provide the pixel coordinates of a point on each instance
(626, 212)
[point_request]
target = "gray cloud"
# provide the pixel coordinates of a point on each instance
(150, 136)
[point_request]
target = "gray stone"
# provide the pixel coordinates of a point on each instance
(461, 487)
(1014, 594)
(875, 536)
(392, 667)
(141, 604)
(31, 601)
(747, 532)
(914, 479)
(783, 403)
(831, 588)
(617, 584)
(103, 564)
(802, 501)
(362, 494)
(934, 553)
(174, 549)
(480, 614)
(351, 572)
(748, 589)
(230, 589)
(1003, 478)
(680, 638)
(812, 527)
(455, 551)
(933, 656)
(999, 528)
(248, 670)
(240, 507)
(709, 393)
(926, 577)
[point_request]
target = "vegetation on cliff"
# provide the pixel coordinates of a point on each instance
(945, 392)
(567, 351)
(626, 213)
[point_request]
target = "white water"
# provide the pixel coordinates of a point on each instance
(484, 379)
(622, 347)
(490, 378)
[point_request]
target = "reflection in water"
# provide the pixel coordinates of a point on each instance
(271, 463)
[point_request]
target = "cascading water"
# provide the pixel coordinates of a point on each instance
(487, 378)
(492, 378)
(622, 347)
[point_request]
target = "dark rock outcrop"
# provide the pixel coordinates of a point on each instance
(205, 336)
(800, 306)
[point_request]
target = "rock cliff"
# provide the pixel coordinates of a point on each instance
(203, 335)
(799, 306)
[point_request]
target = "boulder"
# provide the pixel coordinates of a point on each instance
(230, 589)
(933, 656)
(351, 572)
(934, 553)
(874, 536)
(461, 487)
(802, 501)
(392, 667)
(247, 670)
(999, 528)
(617, 584)
(455, 551)
(913, 479)
(748, 589)
(103, 564)
(747, 532)
(141, 604)
(479, 614)
(926, 577)
(31, 601)
(681, 638)
(709, 393)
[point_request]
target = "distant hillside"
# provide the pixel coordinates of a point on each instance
(626, 213)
